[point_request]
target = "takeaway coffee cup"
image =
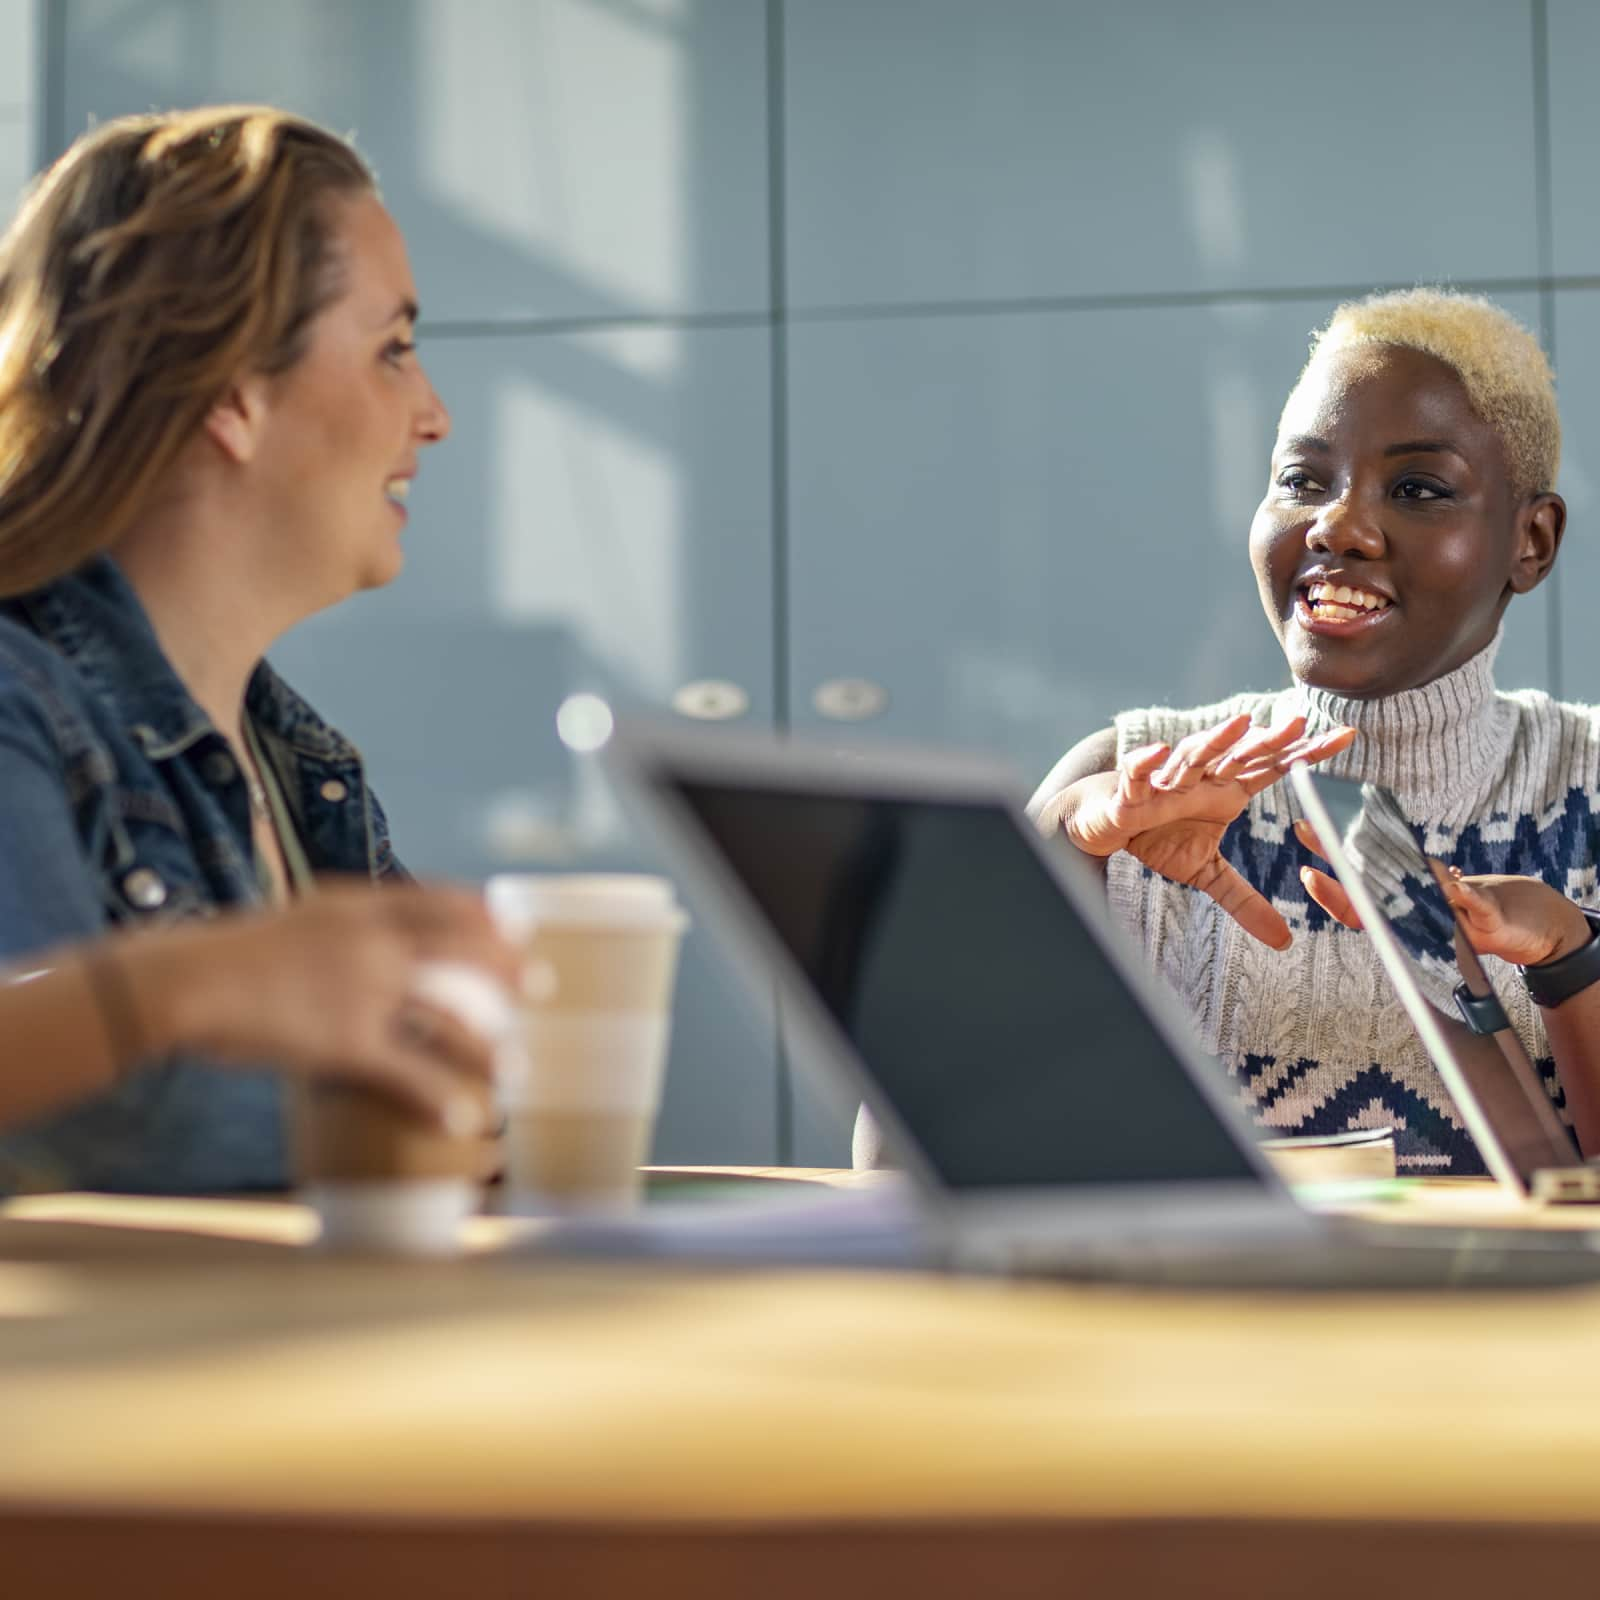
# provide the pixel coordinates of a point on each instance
(601, 956)
(378, 1175)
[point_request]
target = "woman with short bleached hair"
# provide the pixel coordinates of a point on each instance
(211, 411)
(1411, 498)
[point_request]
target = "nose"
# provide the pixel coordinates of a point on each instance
(433, 417)
(1345, 529)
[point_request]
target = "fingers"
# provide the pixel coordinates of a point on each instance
(1329, 893)
(1234, 751)
(1474, 907)
(439, 921)
(433, 1064)
(1191, 757)
(447, 1038)
(1249, 908)
(414, 1079)
(1259, 746)
(1264, 770)
(1318, 746)
(1137, 768)
(1307, 835)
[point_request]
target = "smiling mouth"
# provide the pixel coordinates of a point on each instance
(1332, 604)
(397, 491)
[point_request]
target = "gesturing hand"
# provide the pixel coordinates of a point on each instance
(1516, 918)
(1170, 806)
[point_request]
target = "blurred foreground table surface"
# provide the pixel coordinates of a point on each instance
(193, 1403)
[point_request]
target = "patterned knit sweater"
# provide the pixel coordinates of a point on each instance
(1313, 1036)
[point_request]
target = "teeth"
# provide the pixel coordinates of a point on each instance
(397, 488)
(1328, 598)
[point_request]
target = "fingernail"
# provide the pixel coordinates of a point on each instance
(463, 1117)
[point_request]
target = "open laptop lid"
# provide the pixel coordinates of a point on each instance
(1375, 853)
(947, 965)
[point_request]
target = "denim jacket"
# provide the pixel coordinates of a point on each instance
(120, 803)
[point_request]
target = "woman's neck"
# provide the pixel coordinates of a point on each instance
(213, 624)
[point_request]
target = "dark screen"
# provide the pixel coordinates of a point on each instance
(977, 1000)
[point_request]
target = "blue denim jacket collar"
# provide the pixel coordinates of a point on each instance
(96, 620)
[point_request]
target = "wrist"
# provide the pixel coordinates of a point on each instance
(1555, 980)
(1572, 935)
(1082, 814)
(169, 977)
(117, 992)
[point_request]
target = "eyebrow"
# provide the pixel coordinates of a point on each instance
(1425, 447)
(1305, 442)
(406, 311)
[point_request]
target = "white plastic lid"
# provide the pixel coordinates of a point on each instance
(521, 902)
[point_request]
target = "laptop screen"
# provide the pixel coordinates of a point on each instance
(1006, 1040)
(1381, 844)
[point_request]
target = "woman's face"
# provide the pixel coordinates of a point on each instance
(1387, 484)
(347, 423)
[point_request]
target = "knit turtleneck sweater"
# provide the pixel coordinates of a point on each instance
(1313, 1036)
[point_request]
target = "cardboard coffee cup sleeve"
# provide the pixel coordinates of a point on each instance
(592, 1062)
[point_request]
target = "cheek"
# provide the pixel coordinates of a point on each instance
(1463, 565)
(1274, 550)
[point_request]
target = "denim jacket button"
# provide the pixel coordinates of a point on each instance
(144, 889)
(333, 791)
(219, 768)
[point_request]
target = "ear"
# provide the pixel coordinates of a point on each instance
(235, 424)
(1540, 524)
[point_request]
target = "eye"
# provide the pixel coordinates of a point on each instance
(396, 351)
(1297, 481)
(1420, 489)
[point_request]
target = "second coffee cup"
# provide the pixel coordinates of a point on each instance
(600, 959)
(379, 1176)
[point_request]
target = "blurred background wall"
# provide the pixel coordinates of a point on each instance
(899, 367)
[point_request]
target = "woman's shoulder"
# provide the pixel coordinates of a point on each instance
(31, 669)
(1569, 726)
(45, 705)
(1553, 760)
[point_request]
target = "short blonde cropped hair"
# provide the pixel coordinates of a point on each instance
(1500, 365)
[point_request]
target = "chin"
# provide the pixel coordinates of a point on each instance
(383, 571)
(1355, 680)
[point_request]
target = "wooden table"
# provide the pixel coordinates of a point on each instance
(193, 1404)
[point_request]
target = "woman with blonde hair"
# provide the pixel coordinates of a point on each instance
(211, 412)
(1411, 498)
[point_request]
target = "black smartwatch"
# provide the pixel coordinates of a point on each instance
(1559, 980)
(1483, 1013)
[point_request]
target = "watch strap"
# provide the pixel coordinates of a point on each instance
(1555, 981)
(1483, 1013)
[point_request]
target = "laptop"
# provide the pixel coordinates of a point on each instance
(958, 973)
(1376, 854)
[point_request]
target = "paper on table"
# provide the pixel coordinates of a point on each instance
(875, 1226)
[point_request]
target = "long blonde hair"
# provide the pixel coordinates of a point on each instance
(160, 259)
